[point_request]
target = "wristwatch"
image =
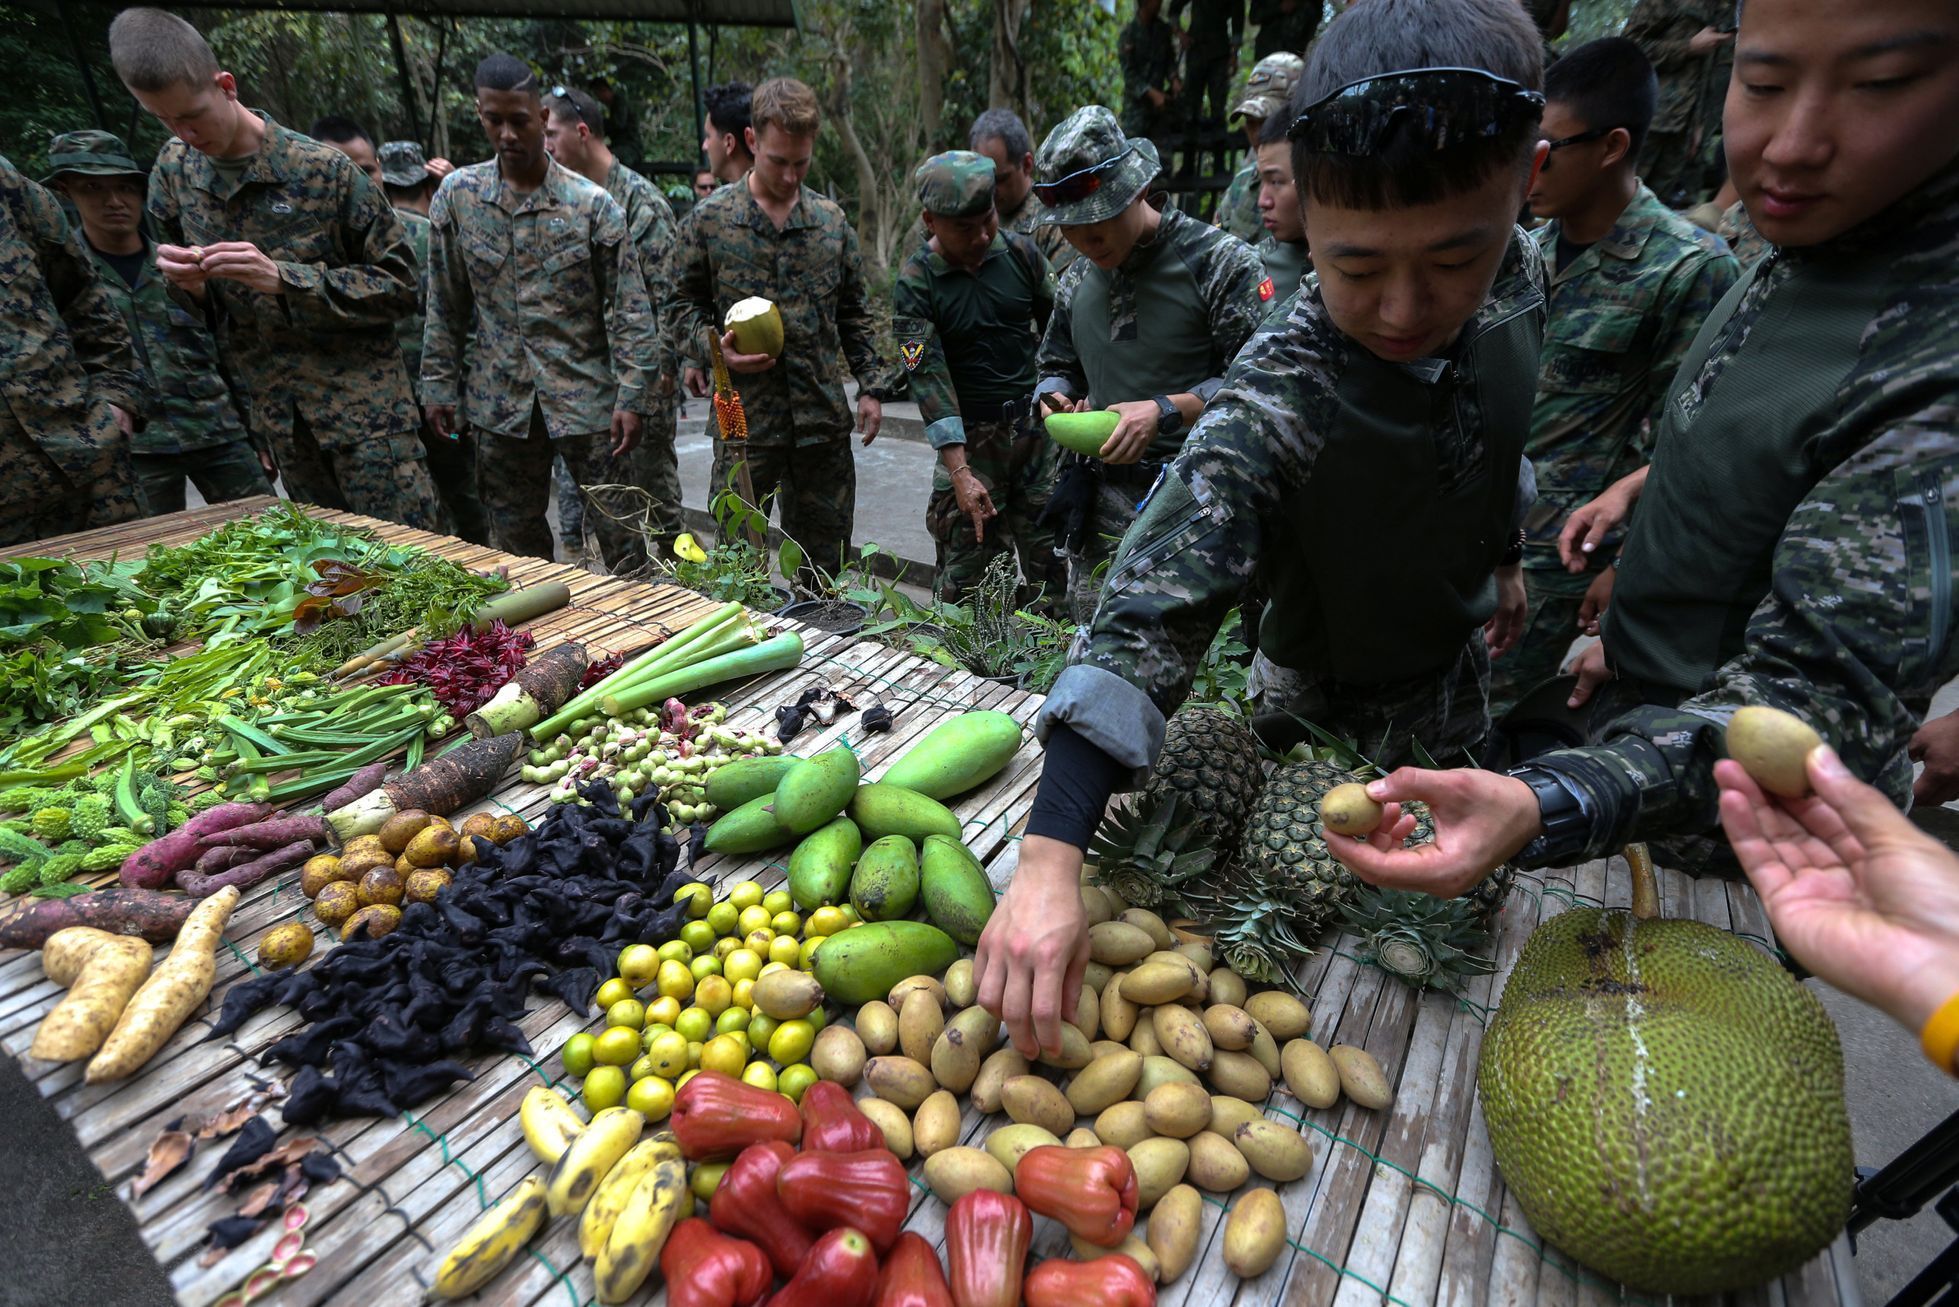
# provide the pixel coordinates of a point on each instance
(1515, 553)
(1567, 826)
(1168, 420)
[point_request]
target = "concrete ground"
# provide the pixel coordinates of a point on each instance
(59, 1205)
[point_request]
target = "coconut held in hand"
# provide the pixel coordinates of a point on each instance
(757, 325)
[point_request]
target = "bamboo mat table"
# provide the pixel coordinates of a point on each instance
(1402, 1206)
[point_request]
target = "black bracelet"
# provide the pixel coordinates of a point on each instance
(1515, 553)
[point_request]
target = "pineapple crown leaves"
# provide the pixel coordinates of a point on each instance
(1419, 939)
(1141, 852)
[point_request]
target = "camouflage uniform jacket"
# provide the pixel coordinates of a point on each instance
(65, 351)
(325, 348)
(1286, 265)
(1739, 231)
(1663, 28)
(1237, 210)
(811, 268)
(194, 409)
(1148, 58)
(968, 339)
(1622, 314)
(651, 225)
(1856, 631)
(409, 330)
(1211, 523)
(547, 290)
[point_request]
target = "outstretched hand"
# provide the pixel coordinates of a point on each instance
(1481, 818)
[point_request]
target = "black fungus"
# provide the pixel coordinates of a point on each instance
(253, 1142)
(231, 1231)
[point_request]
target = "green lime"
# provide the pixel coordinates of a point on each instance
(677, 950)
(759, 1074)
(794, 1079)
(697, 936)
(613, 991)
(707, 1178)
(722, 919)
(605, 1087)
(778, 900)
(735, 1018)
(744, 894)
(760, 1026)
(578, 1055)
(791, 1041)
(696, 1025)
(704, 966)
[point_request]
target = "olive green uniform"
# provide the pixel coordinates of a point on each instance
(452, 461)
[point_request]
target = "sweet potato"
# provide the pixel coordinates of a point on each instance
(101, 971)
(173, 991)
(152, 866)
(272, 833)
(145, 913)
(244, 875)
(212, 861)
(365, 781)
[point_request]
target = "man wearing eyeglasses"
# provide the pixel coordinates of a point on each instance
(1631, 283)
(1361, 464)
(1145, 322)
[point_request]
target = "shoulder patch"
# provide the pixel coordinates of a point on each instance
(1265, 289)
(911, 351)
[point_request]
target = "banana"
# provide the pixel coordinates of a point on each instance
(498, 1235)
(633, 1249)
(550, 1124)
(595, 1151)
(613, 1194)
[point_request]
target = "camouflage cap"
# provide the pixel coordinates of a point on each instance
(93, 153)
(1109, 169)
(402, 163)
(956, 184)
(1269, 86)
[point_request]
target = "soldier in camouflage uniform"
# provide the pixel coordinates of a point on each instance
(301, 264)
(1265, 95)
(1691, 54)
(1147, 54)
(1738, 230)
(1210, 45)
(1283, 251)
(1145, 323)
(194, 429)
(1284, 26)
(71, 387)
(1001, 136)
(452, 459)
(531, 265)
(771, 236)
(1796, 532)
(967, 312)
(574, 133)
(1631, 283)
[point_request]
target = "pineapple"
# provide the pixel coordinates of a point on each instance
(1187, 818)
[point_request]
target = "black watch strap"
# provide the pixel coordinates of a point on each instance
(1567, 826)
(1515, 553)
(1168, 420)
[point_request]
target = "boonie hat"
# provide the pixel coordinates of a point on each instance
(402, 163)
(1088, 171)
(956, 184)
(1269, 86)
(91, 153)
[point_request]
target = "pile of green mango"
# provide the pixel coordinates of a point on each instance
(887, 846)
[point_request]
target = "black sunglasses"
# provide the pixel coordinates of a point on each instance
(1579, 138)
(1081, 184)
(563, 93)
(1438, 107)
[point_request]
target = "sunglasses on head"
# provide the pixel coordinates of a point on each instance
(563, 95)
(1081, 184)
(1438, 108)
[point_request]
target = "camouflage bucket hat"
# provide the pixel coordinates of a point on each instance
(956, 184)
(402, 163)
(1088, 171)
(91, 153)
(1269, 86)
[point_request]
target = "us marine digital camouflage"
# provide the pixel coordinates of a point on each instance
(812, 270)
(653, 465)
(1851, 627)
(1692, 88)
(1622, 315)
(452, 458)
(1738, 230)
(65, 356)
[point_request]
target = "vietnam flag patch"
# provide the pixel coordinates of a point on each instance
(1265, 289)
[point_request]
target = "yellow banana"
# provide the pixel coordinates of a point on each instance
(549, 1122)
(641, 1231)
(613, 1193)
(498, 1235)
(595, 1151)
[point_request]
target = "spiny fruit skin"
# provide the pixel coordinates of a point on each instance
(1667, 1103)
(1189, 815)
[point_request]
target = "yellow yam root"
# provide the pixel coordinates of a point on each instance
(102, 971)
(173, 991)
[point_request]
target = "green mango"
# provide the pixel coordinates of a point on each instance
(881, 809)
(885, 885)
(1084, 433)
(857, 965)
(958, 896)
(735, 783)
(957, 754)
(751, 828)
(819, 869)
(814, 790)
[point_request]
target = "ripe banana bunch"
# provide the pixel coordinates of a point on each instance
(549, 1123)
(632, 1249)
(595, 1226)
(594, 1152)
(498, 1235)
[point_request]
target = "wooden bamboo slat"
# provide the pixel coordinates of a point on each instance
(1403, 1206)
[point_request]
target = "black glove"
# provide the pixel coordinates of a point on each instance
(1072, 504)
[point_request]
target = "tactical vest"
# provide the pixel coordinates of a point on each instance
(1729, 467)
(1383, 574)
(1164, 348)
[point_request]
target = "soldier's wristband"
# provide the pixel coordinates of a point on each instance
(1561, 807)
(1940, 1036)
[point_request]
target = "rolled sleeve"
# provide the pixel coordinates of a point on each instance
(1109, 713)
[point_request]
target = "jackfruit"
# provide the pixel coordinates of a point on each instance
(1667, 1103)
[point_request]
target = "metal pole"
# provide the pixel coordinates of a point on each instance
(401, 68)
(435, 101)
(81, 66)
(694, 74)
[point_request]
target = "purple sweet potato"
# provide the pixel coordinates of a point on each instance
(213, 861)
(365, 781)
(150, 914)
(247, 874)
(153, 865)
(272, 833)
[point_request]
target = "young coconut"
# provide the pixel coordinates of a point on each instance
(1347, 810)
(757, 325)
(1773, 747)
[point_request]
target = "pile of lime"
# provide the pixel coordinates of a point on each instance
(685, 1005)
